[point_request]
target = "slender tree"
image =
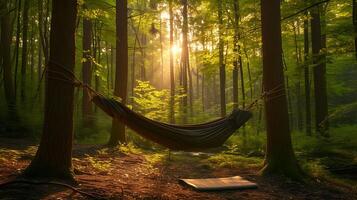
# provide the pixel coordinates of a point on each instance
(172, 75)
(235, 50)
(185, 58)
(279, 158)
(87, 70)
(54, 155)
(17, 45)
(318, 42)
(121, 75)
(6, 62)
(222, 68)
(25, 25)
(354, 18)
(307, 76)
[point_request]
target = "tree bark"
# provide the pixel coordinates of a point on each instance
(25, 21)
(6, 62)
(17, 45)
(54, 155)
(319, 73)
(236, 55)
(185, 58)
(298, 99)
(307, 76)
(121, 75)
(143, 58)
(87, 110)
(279, 158)
(222, 68)
(172, 73)
(354, 18)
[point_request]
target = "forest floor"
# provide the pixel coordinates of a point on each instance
(126, 174)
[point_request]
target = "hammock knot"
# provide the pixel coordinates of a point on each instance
(238, 116)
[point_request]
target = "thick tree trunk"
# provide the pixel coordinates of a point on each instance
(280, 158)
(6, 62)
(87, 110)
(121, 76)
(307, 77)
(222, 68)
(54, 155)
(172, 73)
(319, 73)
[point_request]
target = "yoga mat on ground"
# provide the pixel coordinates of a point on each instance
(228, 183)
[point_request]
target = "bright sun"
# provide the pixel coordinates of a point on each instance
(176, 49)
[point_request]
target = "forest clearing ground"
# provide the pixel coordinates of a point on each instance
(113, 174)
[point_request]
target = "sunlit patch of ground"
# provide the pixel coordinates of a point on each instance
(129, 173)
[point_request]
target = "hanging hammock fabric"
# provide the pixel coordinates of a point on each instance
(176, 137)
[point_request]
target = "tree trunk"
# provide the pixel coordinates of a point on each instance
(6, 62)
(249, 74)
(39, 71)
(279, 158)
(112, 50)
(25, 21)
(96, 67)
(354, 18)
(185, 59)
(241, 78)
(172, 73)
(222, 70)
(54, 155)
(236, 55)
(307, 76)
(298, 100)
(121, 75)
(87, 110)
(32, 55)
(319, 72)
(161, 57)
(108, 66)
(143, 57)
(17, 45)
(133, 70)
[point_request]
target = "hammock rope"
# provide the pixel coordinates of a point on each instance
(176, 137)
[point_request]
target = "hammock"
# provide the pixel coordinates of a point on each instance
(176, 137)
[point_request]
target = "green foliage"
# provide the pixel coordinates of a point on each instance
(151, 102)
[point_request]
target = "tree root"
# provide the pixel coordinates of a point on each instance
(2, 185)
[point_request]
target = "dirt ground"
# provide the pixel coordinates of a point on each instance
(117, 175)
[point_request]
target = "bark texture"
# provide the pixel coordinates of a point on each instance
(279, 158)
(121, 75)
(54, 155)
